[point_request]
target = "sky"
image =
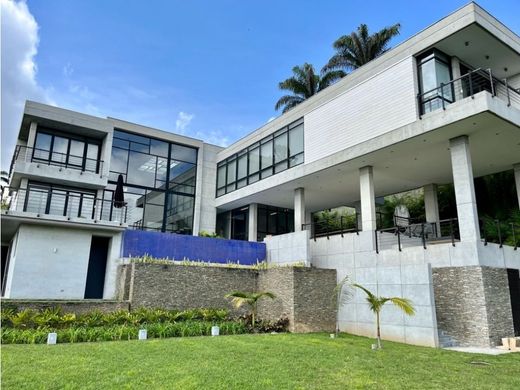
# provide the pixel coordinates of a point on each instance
(205, 69)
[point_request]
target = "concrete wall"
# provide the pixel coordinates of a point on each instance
(288, 248)
(304, 295)
(473, 304)
(207, 186)
(391, 273)
(382, 103)
(51, 263)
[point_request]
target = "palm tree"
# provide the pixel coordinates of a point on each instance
(303, 84)
(4, 180)
(239, 298)
(360, 47)
(376, 304)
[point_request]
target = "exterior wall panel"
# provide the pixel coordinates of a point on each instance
(380, 104)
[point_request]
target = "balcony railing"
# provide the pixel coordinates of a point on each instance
(47, 157)
(64, 203)
(467, 86)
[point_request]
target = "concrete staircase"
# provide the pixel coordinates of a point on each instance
(446, 341)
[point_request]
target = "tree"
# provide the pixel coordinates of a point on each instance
(376, 304)
(239, 298)
(4, 179)
(303, 84)
(342, 295)
(360, 47)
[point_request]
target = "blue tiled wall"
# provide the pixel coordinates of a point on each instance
(138, 243)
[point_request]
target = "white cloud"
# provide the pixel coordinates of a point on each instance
(215, 137)
(183, 121)
(19, 47)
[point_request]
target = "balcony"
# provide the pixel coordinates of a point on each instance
(35, 163)
(62, 204)
(467, 86)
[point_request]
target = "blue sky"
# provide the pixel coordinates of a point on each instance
(208, 69)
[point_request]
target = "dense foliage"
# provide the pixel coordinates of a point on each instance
(32, 327)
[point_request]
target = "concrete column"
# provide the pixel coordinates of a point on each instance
(516, 167)
(368, 201)
(431, 204)
(252, 231)
(299, 209)
(455, 74)
(31, 139)
(464, 189)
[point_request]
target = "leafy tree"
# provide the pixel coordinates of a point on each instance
(303, 84)
(240, 298)
(359, 47)
(376, 304)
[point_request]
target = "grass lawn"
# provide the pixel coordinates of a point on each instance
(288, 361)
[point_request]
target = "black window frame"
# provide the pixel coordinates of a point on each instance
(262, 172)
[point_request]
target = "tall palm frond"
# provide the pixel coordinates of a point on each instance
(359, 47)
(303, 84)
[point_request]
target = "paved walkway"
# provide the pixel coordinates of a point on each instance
(487, 351)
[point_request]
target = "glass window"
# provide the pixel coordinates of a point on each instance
(141, 169)
(254, 160)
(280, 148)
(77, 152)
(221, 176)
(36, 201)
(138, 147)
(296, 140)
(266, 153)
(57, 203)
(91, 162)
(59, 149)
(42, 146)
(242, 167)
(296, 160)
(119, 160)
(184, 153)
(180, 214)
(159, 148)
(231, 171)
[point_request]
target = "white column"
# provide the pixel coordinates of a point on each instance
(516, 167)
(368, 201)
(252, 231)
(299, 209)
(431, 204)
(455, 73)
(31, 139)
(464, 189)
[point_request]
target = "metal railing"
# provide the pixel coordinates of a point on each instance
(336, 226)
(47, 157)
(64, 203)
(465, 86)
(416, 234)
(500, 232)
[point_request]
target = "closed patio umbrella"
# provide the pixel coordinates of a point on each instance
(119, 196)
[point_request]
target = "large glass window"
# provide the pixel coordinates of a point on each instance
(57, 149)
(273, 221)
(434, 78)
(273, 154)
(159, 177)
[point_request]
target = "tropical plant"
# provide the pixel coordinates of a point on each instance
(342, 294)
(376, 304)
(359, 47)
(240, 298)
(4, 180)
(303, 84)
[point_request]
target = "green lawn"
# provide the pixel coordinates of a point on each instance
(290, 361)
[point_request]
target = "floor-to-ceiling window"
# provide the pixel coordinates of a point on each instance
(160, 180)
(434, 72)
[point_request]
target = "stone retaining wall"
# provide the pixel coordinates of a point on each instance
(304, 295)
(68, 306)
(473, 304)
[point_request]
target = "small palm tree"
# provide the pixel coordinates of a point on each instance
(376, 304)
(303, 84)
(240, 298)
(360, 47)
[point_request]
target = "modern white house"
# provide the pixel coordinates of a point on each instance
(441, 107)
